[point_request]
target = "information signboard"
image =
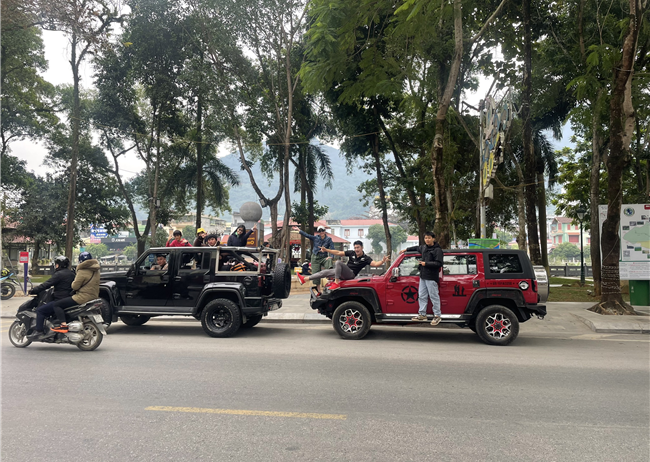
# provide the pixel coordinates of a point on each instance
(634, 232)
(23, 257)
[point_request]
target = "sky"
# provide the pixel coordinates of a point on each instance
(59, 72)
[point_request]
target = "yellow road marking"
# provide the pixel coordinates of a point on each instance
(300, 415)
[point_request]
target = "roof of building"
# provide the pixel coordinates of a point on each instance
(563, 220)
(364, 222)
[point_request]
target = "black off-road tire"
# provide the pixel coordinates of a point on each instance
(107, 313)
(281, 281)
(497, 325)
(252, 321)
(221, 318)
(352, 320)
(134, 319)
(8, 291)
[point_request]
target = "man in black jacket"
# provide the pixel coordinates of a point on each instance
(61, 280)
(430, 264)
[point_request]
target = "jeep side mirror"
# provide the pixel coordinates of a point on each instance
(394, 274)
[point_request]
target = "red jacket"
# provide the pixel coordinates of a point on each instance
(175, 243)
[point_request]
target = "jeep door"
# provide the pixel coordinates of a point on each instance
(458, 282)
(147, 286)
(193, 272)
(402, 295)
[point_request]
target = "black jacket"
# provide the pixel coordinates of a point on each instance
(433, 260)
(61, 280)
(235, 241)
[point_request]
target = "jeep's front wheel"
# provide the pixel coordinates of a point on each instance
(221, 318)
(497, 325)
(351, 320)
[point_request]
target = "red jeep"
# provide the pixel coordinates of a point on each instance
(490, 291)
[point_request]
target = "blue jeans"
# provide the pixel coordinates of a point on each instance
(428, 290)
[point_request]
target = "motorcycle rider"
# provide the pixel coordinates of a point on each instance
(61, 280)
(86, 287)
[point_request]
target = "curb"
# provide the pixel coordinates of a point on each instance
(623, 327)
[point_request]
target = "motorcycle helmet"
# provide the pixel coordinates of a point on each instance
(83, 256)
(62, 261)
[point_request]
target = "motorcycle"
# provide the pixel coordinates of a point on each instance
(85, 324)
(8, 288)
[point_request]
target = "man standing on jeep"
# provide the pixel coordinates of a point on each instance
(430, 264)
(319, 259)
(357, 260)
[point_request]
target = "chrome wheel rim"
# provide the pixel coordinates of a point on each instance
(91, 335)
(498, 326)
(351, 321)
(17, 332)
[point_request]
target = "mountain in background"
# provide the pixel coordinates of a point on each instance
(343, 199)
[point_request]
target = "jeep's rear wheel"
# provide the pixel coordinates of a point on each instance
(134, 319)
(221, 318)
(351, 320)
(281, 281)
(497, 325)
(252, 321)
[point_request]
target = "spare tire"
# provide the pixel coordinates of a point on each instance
(281, 281)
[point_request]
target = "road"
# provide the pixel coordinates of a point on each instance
(278, 392)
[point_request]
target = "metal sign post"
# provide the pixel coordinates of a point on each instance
(24, 258)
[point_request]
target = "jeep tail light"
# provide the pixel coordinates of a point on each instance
(534, 281)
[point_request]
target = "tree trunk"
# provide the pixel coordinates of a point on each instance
(594, 190)
(199, 160)
(529, 149)
(152, 203)
(303, 201)
(382, 194)
(621, 128)
(76, 111)
(437, 157)
(450, 207)
(543, 231)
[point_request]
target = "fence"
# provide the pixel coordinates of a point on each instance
(570, 271)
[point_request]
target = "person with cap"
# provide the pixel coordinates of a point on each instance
(430, 264)
(200, 235)
(211, 240)
(320, 260)
(177, 240)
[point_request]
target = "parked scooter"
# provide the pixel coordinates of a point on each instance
(8, 288)
(85, 324)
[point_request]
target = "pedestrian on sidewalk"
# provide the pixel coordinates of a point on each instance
(320, 260)
(430, 264)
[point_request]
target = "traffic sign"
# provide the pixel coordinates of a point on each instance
(23, 257)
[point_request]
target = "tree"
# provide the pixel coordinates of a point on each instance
(130, 251)
(26, 110)
(377, 236)
(87, 23)
(97, 250)
(566, 252)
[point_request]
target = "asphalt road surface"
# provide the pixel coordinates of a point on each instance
(279, 392)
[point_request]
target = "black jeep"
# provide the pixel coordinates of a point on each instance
(224, 287)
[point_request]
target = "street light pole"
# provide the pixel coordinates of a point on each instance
(581, 214)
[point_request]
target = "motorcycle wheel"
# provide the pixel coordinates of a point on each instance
(8, 291)
(17, 335)
(92, 337)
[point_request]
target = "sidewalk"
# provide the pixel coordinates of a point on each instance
(562, 316)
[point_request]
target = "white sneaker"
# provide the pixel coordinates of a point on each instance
(436, 320)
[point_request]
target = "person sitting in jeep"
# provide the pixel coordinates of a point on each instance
(161, 263)
(357, 260)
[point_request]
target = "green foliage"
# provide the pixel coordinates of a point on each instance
(565, 252)
(189, 233)
(27, 98)
(130, 251)
(97, 250)
(377, 236)
(300, 212)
